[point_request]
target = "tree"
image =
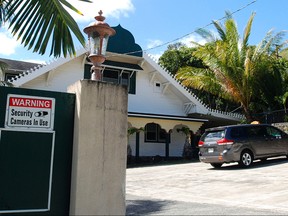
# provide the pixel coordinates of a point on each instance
(235, 70)
(35, 22)
(178, 55)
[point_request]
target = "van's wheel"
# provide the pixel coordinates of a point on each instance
(246, 159)
(216, 165)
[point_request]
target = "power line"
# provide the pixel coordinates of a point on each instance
(186, 35)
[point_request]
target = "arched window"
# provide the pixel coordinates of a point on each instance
(154, 133)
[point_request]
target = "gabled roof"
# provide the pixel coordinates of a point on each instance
(39, 70)
(14, 65)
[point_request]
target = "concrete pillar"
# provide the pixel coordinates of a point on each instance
(100, 148)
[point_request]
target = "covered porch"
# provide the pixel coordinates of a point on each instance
(160, 135)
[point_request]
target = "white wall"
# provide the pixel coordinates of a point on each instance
(152, 149)
(60, 78)
(149, 100)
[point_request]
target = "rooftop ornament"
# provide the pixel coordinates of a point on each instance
(98, 35)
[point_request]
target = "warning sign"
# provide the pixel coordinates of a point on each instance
(30, 112)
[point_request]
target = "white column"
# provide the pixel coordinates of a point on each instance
(99, 151)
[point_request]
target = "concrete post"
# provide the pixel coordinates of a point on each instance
(100, 148)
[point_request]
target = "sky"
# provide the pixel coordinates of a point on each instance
(157, 23)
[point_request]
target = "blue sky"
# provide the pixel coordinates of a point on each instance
(157, 22)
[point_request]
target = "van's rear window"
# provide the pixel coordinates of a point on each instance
(214, 134)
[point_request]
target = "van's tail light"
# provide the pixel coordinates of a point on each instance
(225, 141)
(200, 143)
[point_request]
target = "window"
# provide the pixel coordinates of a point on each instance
(111, 75)
(124, 79)
(117, 76)
(157, 87)
(273, 132)
(257, 131)
(215, 134)
(238, 132)
(154, 133)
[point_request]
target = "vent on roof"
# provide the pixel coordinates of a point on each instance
(157, 87)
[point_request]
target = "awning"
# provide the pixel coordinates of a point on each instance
(128, 66)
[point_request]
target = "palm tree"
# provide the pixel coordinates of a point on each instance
(233, 67)
(36, 22)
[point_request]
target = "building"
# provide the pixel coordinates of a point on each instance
(14, 68)
(157, 102)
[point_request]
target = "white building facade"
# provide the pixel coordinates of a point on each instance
(157, 102)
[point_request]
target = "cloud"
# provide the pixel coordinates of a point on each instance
(110, 8)
(154, 43)
(37, 61)
(156, 56)
(193, 38)
(8, 44)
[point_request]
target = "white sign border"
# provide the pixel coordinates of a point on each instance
(51, 128)
(50, 177)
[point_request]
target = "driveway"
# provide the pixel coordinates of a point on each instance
(197, 188)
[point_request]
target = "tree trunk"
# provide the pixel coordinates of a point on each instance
(247, 114)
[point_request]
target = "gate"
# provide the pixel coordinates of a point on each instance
(36, 138)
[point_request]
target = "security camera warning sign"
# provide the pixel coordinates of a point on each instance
(24, 111)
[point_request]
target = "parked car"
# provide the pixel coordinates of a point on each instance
(242, 144)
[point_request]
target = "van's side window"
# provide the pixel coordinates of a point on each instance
(274, 132)
(257, 132)
(238, 132)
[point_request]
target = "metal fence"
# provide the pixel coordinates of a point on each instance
(271, 117)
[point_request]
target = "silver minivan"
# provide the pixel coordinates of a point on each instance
(242, 144)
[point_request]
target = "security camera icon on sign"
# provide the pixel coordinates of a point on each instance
(40, 114)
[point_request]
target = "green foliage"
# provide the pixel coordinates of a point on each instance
(178, 55)
(184, 130)
(252, 76)
(37, 22)
(133, 130)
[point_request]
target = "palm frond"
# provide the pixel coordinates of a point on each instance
(206, 34)
(3, 11)
(199, 78)
(220, 29)
(247, 30)
(35, 23)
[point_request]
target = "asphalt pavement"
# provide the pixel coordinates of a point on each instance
(198, 189)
